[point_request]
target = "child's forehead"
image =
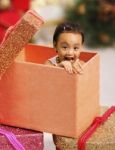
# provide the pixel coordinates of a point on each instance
(72, 39)
(70, 36)
(69, 32)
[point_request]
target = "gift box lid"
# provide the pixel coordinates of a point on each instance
(17, 37)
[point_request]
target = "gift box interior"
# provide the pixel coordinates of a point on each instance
(44, 98)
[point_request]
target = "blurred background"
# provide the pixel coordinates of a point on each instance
(97, 17)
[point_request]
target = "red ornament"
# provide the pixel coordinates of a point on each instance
(10, 16)
(21, 4)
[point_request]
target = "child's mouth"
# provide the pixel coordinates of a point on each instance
(69, 58)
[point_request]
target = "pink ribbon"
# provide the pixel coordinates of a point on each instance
(11, 137)
(96, 123)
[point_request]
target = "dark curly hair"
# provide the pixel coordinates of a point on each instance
(67, 27)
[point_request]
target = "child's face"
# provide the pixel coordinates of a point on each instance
(69, 46)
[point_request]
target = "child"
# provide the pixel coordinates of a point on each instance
(68, 40)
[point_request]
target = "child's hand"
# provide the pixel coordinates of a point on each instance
(67, 65)
(72, 67)
(77, 67)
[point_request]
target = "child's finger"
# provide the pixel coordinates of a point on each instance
(69, 69)
(77, 69)
(80, 65)
(74, 70)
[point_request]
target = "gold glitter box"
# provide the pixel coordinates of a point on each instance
(102, 139)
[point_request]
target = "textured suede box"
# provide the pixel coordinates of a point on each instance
(49, 99)
(30, 140)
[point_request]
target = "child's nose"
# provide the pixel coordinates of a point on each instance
(70, 51)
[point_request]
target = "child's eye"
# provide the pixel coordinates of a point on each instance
(76, 48)
(64, 47)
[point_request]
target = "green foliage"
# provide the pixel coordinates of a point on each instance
(96, 19)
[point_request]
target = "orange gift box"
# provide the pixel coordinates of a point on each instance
(45, 98)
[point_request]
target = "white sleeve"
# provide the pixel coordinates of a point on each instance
(53, 60)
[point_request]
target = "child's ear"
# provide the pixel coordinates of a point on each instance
(54, 43)
(56, 50)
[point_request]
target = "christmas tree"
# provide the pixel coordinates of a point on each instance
(97, 19)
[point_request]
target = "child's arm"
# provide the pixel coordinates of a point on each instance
(64, 64)
(49, 63)
(70, 67)
(76, 67)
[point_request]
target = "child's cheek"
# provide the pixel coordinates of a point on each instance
(77, 55)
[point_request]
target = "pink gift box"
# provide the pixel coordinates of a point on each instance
(29, 139)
